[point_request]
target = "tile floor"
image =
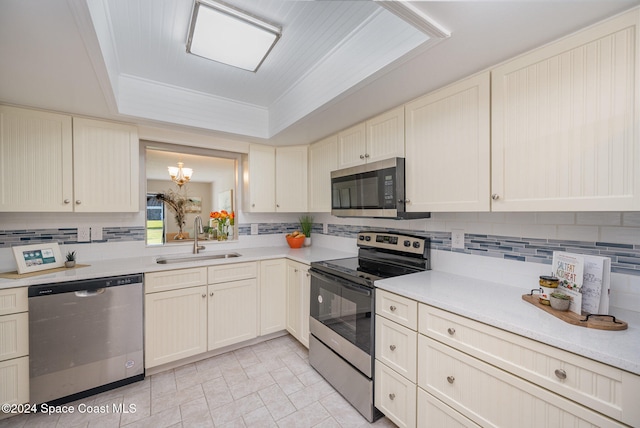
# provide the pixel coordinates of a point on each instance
(270, 384)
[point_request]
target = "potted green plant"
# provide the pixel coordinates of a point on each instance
(559, 301)
(71, 259)
(306, 223)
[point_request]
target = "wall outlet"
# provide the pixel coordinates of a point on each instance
(457, 238)
(84, 234)
(96, 233)
(254, 229)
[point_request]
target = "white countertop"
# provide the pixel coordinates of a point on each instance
(145, 264)
(502, 306)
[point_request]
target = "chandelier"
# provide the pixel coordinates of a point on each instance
(180, 175)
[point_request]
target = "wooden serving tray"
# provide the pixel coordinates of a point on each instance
(600, 322)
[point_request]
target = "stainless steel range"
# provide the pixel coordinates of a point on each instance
(342, 311)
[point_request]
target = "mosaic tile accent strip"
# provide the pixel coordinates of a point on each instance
(625, 258)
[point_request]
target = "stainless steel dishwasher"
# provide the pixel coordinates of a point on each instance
(85, 337)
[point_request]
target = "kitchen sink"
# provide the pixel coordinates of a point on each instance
(195, 258)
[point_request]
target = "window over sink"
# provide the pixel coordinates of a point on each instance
(211, 187)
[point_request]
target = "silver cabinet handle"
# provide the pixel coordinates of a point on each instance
(450, 379)
(253, 205)
(361, 156)
(561, 374)
(407, 201)
(392, 308)
(211, 294)
(366, 155)
(392, 347)
(495, 196)
(78, 202)
(277, 206)
(204, 295)
(307, 274)
(66, 201)
(451, 331)
(392, 396)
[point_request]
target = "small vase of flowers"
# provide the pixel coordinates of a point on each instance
(223, 222)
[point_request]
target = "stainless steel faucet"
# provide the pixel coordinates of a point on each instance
(197, 229)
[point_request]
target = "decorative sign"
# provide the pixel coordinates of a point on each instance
(32, 258)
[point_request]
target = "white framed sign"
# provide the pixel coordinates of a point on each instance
(32, 258)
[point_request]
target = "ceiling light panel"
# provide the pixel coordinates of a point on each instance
(227, 35)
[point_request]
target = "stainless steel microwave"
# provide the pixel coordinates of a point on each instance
(375, 189)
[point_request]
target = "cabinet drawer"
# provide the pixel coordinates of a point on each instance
(232, 272)
(397, 308)
(434, 413)
(397, 347)
(395, 396)
(174, 279)
(13, 300)
(14, 331)
(14, 378)
(492, 397)
(603, 388)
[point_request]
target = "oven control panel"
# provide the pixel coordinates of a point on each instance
(393, 241)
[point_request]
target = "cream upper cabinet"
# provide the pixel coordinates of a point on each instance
(259, 180)
(565, 123)
(448, 145)
(36, 154)
(379, 138)
(291, 179)
(276, 179)
(105, 166)
(66, 164)
(323, 158)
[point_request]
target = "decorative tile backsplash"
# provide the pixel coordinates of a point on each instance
(625, 258)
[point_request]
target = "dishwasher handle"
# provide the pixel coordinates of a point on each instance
(90, 293)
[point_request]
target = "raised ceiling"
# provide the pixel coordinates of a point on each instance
(338, 62)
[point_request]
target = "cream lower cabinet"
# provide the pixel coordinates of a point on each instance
(298, 289)
(175, 315)
(497, 378)
(232, 313)
(14, 346)
(396, 353)
(273, 296)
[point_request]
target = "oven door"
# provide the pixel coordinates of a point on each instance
(341, 316)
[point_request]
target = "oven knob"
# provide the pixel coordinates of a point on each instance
(407, 243)
(416, 244)
(367, 238)
(361, 237)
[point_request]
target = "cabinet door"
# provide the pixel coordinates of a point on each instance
(395, 396)
(385, 136)
(273, 296)
(291, 179)
(105, 165)
(175, 325)
(14, 378)
(232, 313)
(565, 123)
(305, 292)
(294, 296)
(352, 146)
(492, 397)
(260, 179)
(323, 158)
(448, 148)
(14, 331)
(35, 161)
(434, 413)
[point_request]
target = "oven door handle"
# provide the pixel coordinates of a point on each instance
(365, 291)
